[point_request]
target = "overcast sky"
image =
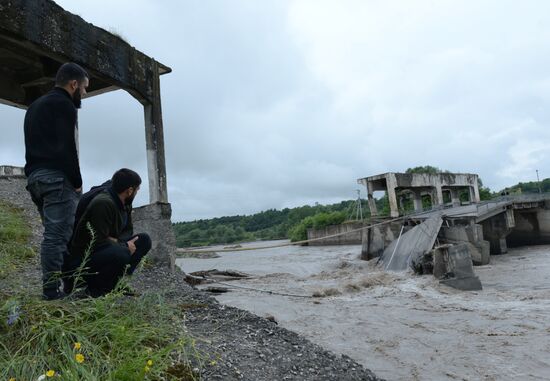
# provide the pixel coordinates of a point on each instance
(275, 104)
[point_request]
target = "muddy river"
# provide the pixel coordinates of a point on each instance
(403, 327)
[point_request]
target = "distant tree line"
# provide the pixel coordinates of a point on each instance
(267, 225)
(529, 187)
(293, 222)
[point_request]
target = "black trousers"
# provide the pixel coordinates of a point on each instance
(106, 265)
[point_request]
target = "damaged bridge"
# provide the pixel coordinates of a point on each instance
(490, 226)
(508, 221)
(456, 235)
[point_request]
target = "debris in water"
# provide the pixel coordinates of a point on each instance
(216, 289)
(326, 292)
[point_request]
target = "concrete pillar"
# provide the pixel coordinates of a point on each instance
(495, 230)
(438, 200)
(417, 201)
(391, 184)
(154, 142)
(474, 194)
(372, 201)
(155, 218)
(510, 219)
(455, 198)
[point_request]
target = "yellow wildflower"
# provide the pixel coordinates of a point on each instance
(50, 373)
(12, 379)
(213, 362)
(149, 362)
(77, 345)
(146, 369)
(79, 358)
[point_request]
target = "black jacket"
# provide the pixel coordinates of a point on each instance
(50, 135)
(108, 217)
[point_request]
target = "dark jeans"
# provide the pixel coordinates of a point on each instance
(56, 200)
(109, 263)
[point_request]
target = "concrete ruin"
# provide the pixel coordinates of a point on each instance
(451, 235)
(37, 37)
(438, 187)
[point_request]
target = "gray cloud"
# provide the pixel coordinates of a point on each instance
(279, 103)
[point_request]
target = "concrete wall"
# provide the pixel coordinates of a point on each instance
(377, 238)
(406, 180)
(353, 238)
(473, 236)
(11, 171)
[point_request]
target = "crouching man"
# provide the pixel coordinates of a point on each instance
(115, 250)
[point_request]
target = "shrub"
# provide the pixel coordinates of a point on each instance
(318, 221)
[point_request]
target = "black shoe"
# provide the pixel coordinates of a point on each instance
(68, 285)
(93, 292)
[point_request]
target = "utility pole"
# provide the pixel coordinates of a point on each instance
(359, 215)
(538, 181)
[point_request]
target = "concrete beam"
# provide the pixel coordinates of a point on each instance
(44, 28)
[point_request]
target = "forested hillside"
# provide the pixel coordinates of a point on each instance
(266, 225)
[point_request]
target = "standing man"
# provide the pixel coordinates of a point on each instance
(52, 168)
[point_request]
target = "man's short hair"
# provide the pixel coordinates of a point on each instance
(125, 178)
(68, 72)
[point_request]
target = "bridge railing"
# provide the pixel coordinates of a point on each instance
(525, 197)
(487, 205)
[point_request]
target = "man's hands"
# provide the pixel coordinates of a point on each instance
(132, 245)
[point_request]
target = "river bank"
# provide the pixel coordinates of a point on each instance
(229, 343)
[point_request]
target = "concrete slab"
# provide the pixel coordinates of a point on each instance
(408, 247)
(459, 272)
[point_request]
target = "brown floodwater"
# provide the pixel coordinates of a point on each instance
(399, 325)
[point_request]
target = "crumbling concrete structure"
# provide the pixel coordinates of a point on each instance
(463, 236)
(38, 36)
(419, 185)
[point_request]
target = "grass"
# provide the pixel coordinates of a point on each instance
(108, 338)
(14, 237)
